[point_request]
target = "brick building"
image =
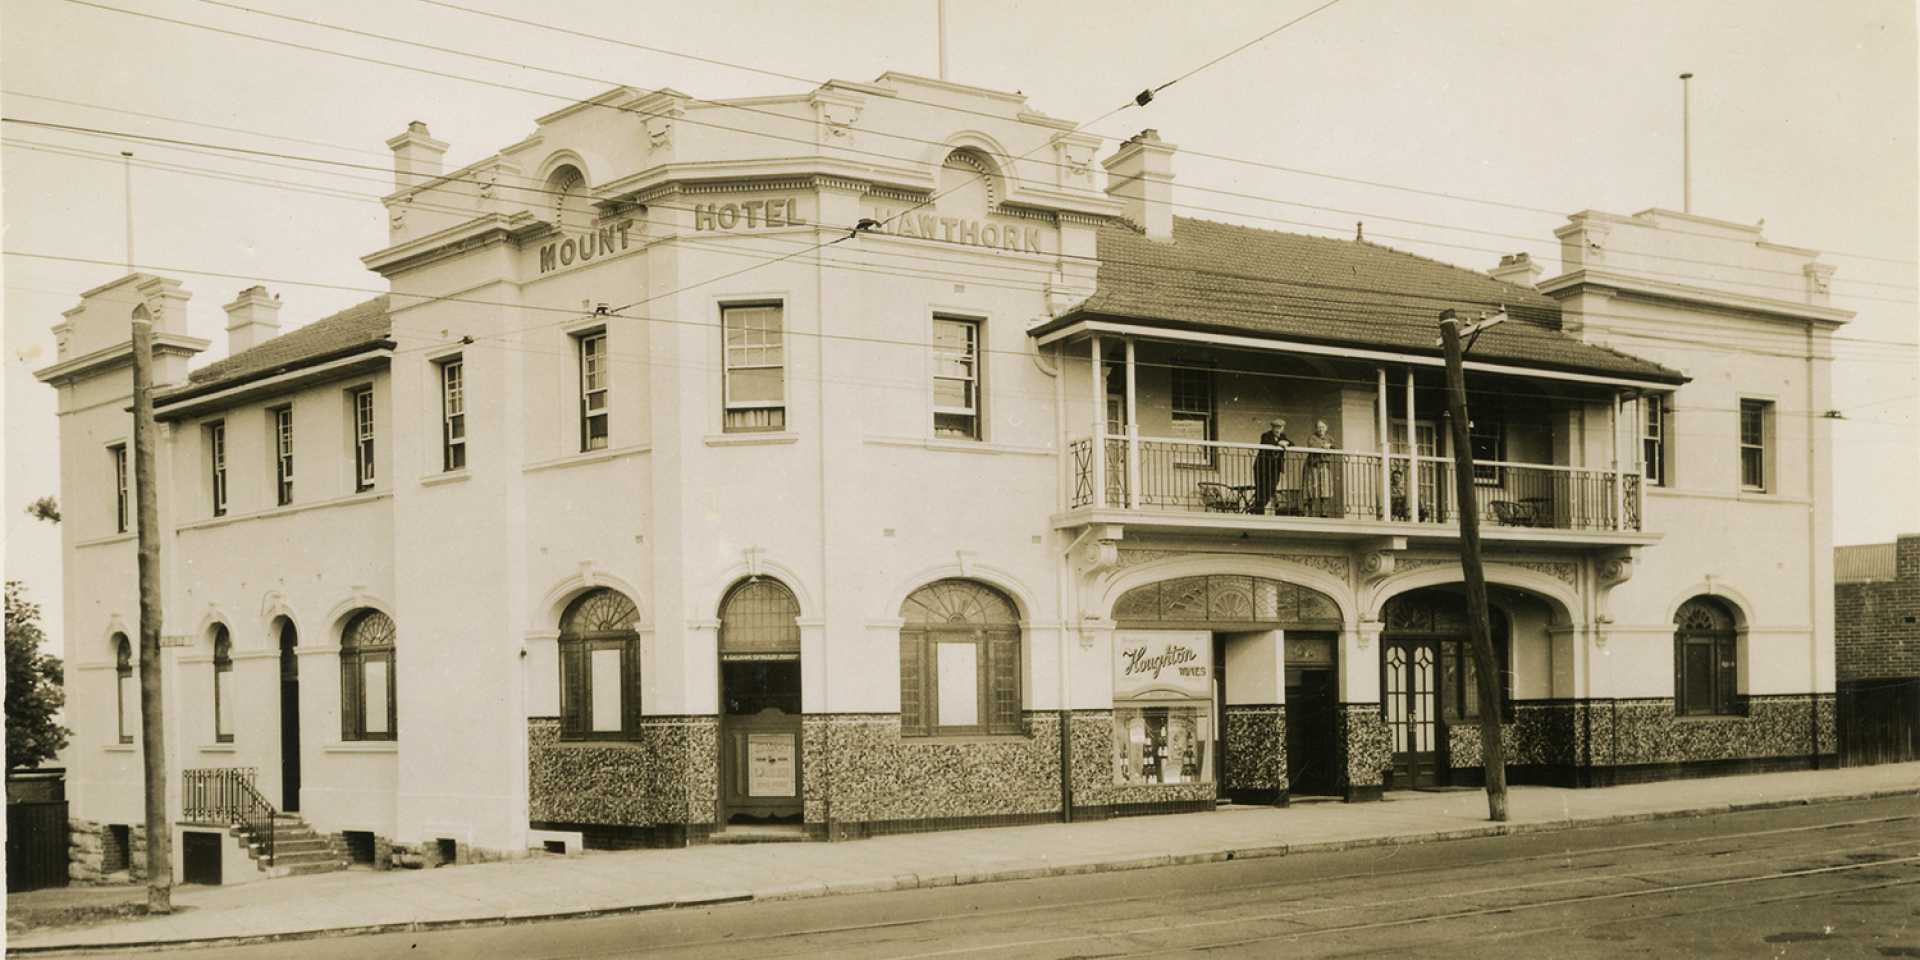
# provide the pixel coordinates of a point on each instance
(1876, 610)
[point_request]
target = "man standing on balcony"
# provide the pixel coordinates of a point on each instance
(1269, 466)
(1319, 481)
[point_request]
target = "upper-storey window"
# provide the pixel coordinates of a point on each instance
(593, 390)
(363, 472)
(1191, 396)
(118, 455)
(453, 414)
(956, 378)
(281, 419)
(756, 374)
(1653, 440)
(217, 465)
(1756, 426)
(1487, 438)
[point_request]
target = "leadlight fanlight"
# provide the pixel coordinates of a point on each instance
(1706, 657)
(1438, 619)
(367, 709)
(599, 611)
(600, 667)
(960, 652)
(1226, 598)
(759, 616)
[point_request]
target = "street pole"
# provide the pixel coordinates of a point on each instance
(1492, 750)
(152, 718)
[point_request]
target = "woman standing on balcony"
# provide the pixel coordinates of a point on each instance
(1269, 466)
(1319, 481)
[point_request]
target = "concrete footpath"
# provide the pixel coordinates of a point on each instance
(362, 901)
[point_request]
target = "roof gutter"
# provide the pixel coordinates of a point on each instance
(1085, 326)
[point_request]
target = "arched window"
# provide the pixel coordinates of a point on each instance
(959, 661)
(1706, 659)
(600, 667)
(759, 649)
(222, 684)
(366, 678)
(126, 694)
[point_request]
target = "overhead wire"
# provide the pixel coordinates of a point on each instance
(1009, 173)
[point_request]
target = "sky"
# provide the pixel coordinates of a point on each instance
(1459, 131)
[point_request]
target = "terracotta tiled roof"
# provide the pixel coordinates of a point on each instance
(358, 325)
(1338, 292)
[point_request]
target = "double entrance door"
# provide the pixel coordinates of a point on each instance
(760, 740)
(1410, 688)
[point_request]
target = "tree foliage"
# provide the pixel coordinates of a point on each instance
(45, 508)
(34, 692)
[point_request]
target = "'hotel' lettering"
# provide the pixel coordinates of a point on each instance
(750, 214)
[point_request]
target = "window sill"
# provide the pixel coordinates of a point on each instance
(120, 747)
(363, 746)
(590, 456)
(218, 748)
(748, 439)
(128, 537)
(278, 511)
(960, 446)
(451, 476)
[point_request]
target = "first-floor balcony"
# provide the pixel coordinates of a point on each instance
(1301, 488)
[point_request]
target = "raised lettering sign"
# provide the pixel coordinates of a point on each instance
(571, 250)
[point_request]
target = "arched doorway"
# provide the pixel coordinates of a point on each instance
(1428, 681)
(1275, 662)
(289, 716)
(760, 722)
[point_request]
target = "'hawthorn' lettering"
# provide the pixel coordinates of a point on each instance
(973, 233)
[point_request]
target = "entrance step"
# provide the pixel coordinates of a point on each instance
(738, 833)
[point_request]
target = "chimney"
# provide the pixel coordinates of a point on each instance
(416, 156)
(1140, 176)
(1518, 269)
(252, 318)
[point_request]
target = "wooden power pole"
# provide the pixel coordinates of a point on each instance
(152, 718)
(1492, 750)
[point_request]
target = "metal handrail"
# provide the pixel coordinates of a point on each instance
(227, 796)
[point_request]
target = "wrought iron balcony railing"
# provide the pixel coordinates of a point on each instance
(1175, 476)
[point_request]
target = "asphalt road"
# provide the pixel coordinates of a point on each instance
(1832, 880)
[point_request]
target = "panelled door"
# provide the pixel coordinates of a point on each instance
(1410, 689)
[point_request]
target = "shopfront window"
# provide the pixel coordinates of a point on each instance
(1163, 723)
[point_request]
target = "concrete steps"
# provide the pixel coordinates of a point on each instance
(297, 850)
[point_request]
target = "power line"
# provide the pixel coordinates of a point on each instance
(1007, 173)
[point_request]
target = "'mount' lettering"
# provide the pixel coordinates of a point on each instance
(977, 233)
(564, 253)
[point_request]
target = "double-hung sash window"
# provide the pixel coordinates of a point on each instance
(453, 415)
(1653, 440)
(217, 465)
(756, 378)
(367, 709)
(1754, 417)
(593, 391)
(122, 505)
(282, 454)
(363, 472)
(1191, 396)
(956, 379)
